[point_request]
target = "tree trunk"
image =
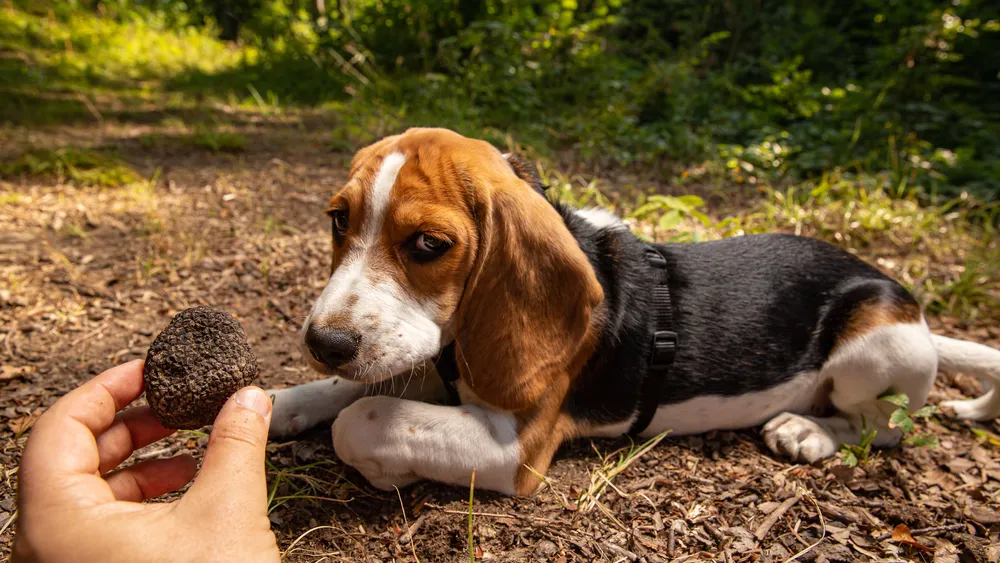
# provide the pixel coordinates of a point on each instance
(228, 20)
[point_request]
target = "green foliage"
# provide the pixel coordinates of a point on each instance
(987, 437)
(75, 51)
(79, 166)
(672, 210)
(774, 93)
(903, 419)
(218, 141)
(854, 455)
(967, 292)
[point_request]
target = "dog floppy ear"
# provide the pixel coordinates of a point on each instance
(525, 317)
(526, 172)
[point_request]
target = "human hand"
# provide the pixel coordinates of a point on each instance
(73, 506)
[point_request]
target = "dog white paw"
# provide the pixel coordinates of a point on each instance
(364, 437)
(297, 409)
(288, 418)
(799, 438)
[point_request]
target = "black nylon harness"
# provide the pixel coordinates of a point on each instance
(664, 345)
(661, 357)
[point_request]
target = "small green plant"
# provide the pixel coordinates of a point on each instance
(218, 141)
(80, 166)
(969, 293)
(316, 482)
(903, 418)
(987, 437)
(612, 465)
(853, 455)
(76, 231)
(672, 210)
(577, 191)
(10, 198)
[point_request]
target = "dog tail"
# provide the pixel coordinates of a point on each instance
(972, 359)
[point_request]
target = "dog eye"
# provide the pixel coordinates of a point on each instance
(427, 243)
(427, 247)
(340, 221)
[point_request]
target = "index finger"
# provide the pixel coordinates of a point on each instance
(64, 440)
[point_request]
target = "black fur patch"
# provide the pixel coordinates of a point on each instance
(526, 172)
(751, 312)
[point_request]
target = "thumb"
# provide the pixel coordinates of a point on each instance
(232, 477)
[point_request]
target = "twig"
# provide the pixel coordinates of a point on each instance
(89, 335)
(155, 453)
(494, 515)
(822, 534)
(472, 489)
(922, 531)
(675, 526)
(90, 107)
(412, 530)
(621, 552)
(304, 534)
(409, 532)
(773, 517)
(718, 535)
(842, 514)
(8, 523)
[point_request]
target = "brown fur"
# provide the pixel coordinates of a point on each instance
(871, 315)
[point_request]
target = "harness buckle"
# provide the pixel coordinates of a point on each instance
(655, 259)
(664, 349)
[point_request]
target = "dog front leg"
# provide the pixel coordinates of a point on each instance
(301, 407)
(395, 442)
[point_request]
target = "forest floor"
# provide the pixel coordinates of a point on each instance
(89, 275)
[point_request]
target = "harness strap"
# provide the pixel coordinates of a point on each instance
(664, 345)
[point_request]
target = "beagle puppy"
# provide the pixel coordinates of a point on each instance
(446, 250)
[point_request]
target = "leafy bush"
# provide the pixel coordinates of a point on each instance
(909, 89)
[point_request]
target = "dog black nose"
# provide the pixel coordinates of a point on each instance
(331, 346)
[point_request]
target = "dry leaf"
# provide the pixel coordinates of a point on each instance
(901, 534)
(983, 515)
(21, 425)
(944, 551)
(12, 372)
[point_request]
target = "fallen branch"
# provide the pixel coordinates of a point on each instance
(773, 517)
(622, 552)
(843, 514)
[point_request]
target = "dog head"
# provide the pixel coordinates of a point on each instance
(437, 237)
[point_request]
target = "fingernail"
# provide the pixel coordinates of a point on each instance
(254, 399)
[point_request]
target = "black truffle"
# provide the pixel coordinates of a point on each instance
(195, 365)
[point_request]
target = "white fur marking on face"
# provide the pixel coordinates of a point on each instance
(600, 218)
(379, 199)
(398, 332)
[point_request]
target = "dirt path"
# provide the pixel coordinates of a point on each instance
(90, 275)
